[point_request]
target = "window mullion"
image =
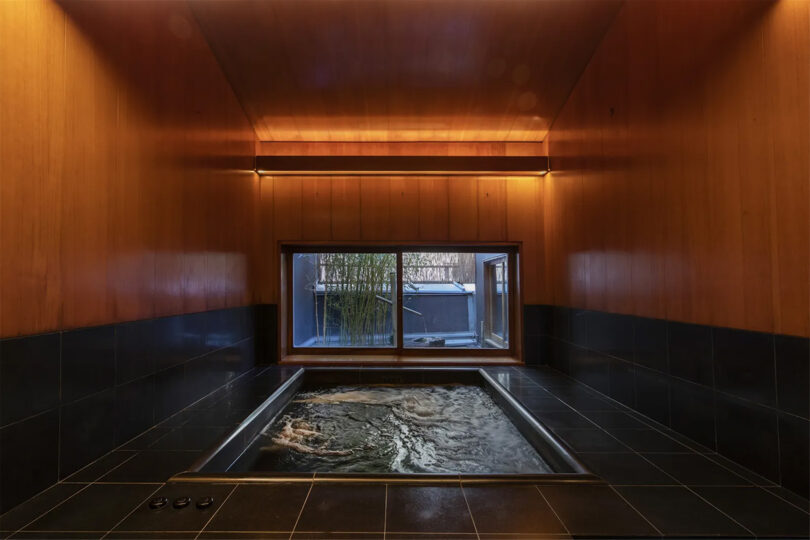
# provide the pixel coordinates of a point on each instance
(400, 340)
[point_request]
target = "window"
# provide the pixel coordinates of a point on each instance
(411, 300)
(344, 299)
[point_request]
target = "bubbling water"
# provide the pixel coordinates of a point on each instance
(402, 429)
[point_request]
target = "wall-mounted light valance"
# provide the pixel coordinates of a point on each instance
(402, 165)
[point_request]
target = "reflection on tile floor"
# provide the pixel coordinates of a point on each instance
(658, 484)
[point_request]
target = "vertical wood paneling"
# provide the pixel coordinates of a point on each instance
(401, 209)
(404, 208)
(375, 209)
(345, 208)
(317, 221)
(462, 208)
(433, 208)
(679, 187)
(491, 209)
(125, 191)
(33, 97)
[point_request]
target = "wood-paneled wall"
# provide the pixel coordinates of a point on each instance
(681, 180)
(401, 209)
(126, 189)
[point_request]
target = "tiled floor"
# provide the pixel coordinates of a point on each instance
(658, 483)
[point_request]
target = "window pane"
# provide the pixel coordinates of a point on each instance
(455, 299)
(343, 299)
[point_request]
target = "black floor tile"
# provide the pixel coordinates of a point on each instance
(738, 469)
(270, 508)
(170, 519)
(596, 510)
(648, 440)
(143, 535)
(693, 445)
(587, 403)
(338, 536)
(426, 509)
(791, 497)
(152, 466)
(147, 439)
(342, 508)
(190, 438)
(101, 466)
(511, 509)
(530, 392)
(614, 419)
(244, 535)
(61, 535)
(216, 417)
(676, 511)
(443, 536)
(563, 419)
(591, 440)
(626, 469)
(759, 511)
(97, 508)
(178, 419)
(544, 404)
(696, 470)
(25, 513)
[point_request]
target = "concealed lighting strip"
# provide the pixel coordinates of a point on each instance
(402, 165)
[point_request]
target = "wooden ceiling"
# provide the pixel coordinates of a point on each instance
(403, 70)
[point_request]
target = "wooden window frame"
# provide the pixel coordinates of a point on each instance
(515, 301)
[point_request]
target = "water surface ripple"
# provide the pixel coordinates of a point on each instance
(401, 429)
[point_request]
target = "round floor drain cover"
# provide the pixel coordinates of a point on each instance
(182, 502)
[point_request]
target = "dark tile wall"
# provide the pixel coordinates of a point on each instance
(67, 398)
(745, 395)
(266, 325)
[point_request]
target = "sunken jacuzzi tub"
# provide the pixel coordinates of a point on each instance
(389, 425)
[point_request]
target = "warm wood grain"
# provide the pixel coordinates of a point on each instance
(680, 175)
(32, 149)
(126, 179)
(389, 70)
(401, 209)
(452, 148)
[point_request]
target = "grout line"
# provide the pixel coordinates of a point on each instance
(714, 391)
(60, 503)
(59, 417)
(729, 516)
(553, 511)
(133, 510)
(102, 475)
(385, 513)
(692, 452)
(221, 506)
(301, 511)
(651, 427)
(469, 510)
(805, 509)
(779, 416)
(637, 510)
